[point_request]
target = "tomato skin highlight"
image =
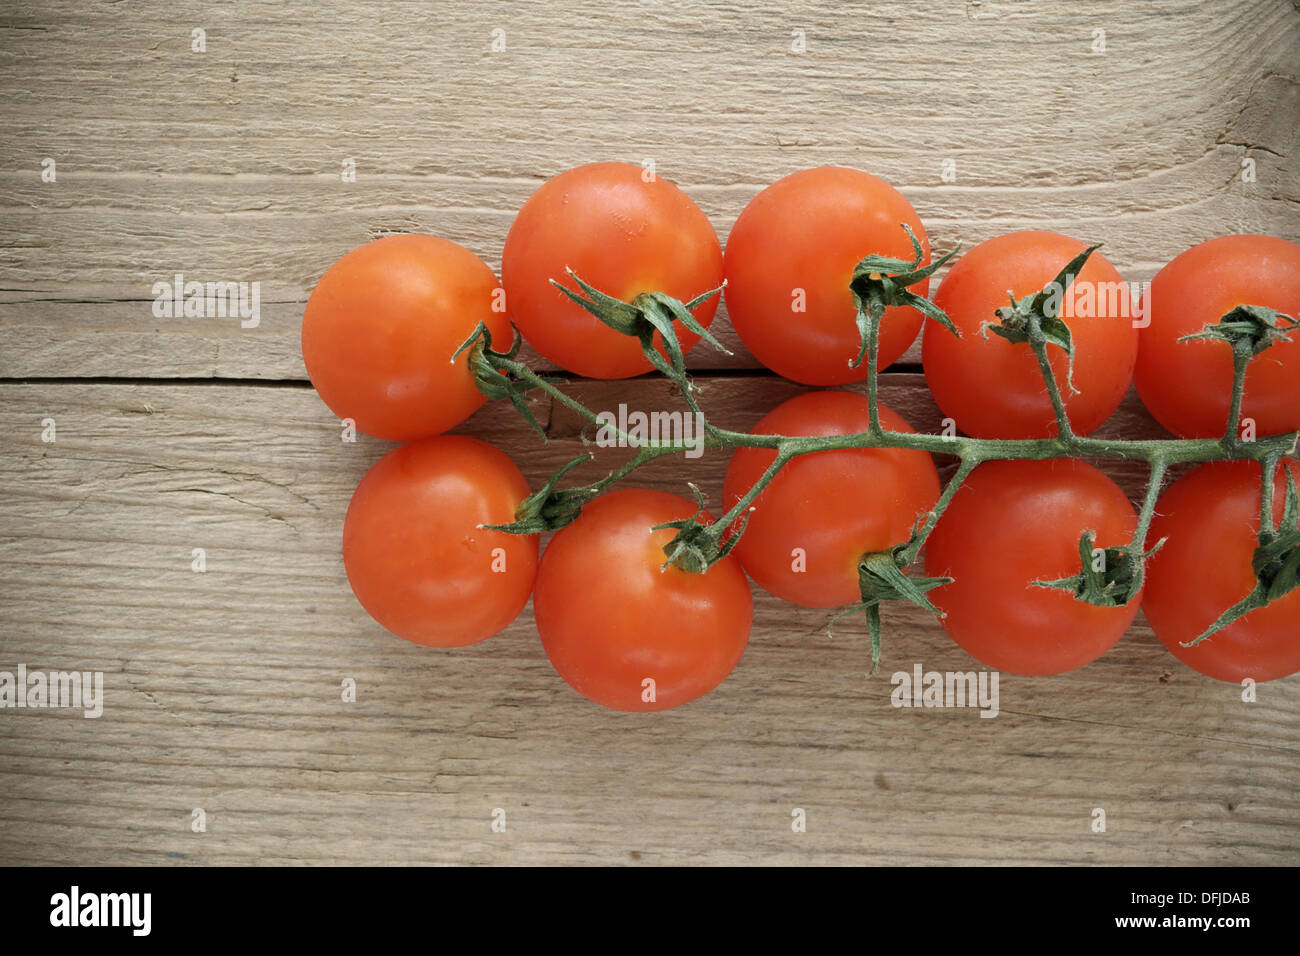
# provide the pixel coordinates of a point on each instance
(808, 231)
(1210, 518)
(380, 328)
(993, 388)
(1194, 290)
(834, 505)
(1015, 522)
(620, 234)
(609, 618)
(415, 556)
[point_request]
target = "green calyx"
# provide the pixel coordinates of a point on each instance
(880, 579)
(648, 314)
(696, 547)
(880, 282)
(1276, 563)
(1249, 328)
(1035, 320)
(1277, 559)
(496, 374)
(550, 507)
(1109, 577)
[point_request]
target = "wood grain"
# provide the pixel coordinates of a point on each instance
(225, 165)
(223, 687)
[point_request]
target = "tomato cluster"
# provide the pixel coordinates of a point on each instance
(423, 543)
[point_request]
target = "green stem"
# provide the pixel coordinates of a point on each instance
(1160, 453)
(643, 456)
(1158, 468)
(524, 373)
(1241, 356)
(1063, 427)
(1170, 450)
(917, 542)
(874, 315)
(741, 506)
(1268, 465)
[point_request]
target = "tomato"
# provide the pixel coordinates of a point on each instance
(380, 329)
(1210, 518)
(610, 620)
(993, 388)
(1013, 523)
(618, 233)
(823, 511)
(789, 260)
(1195, 290)
(415, 555)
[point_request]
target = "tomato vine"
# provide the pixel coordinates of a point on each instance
(877, 283)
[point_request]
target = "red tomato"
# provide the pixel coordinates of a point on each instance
(1015, 522)
(789, 260)
(994, 389)
(823, 511)
(620, 234)
(1210, 517)
(610, 620)
(415, 555)
(1194, 291)
(380, 329)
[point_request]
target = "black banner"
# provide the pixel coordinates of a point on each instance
(647, 905)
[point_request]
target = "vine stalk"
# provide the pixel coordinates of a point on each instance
(877, 284)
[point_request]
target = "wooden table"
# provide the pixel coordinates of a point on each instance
(1126, 123)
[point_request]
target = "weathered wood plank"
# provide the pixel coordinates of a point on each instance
(222, 688)
(225, 165)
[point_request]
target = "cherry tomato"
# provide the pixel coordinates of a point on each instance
(1210, 519)
(823, 511)
(380, 329)
(611, 621)
(415, 554)
(993, 388)
(789, 260)
(1013, 523)
(623, 235)
(1187, 386)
